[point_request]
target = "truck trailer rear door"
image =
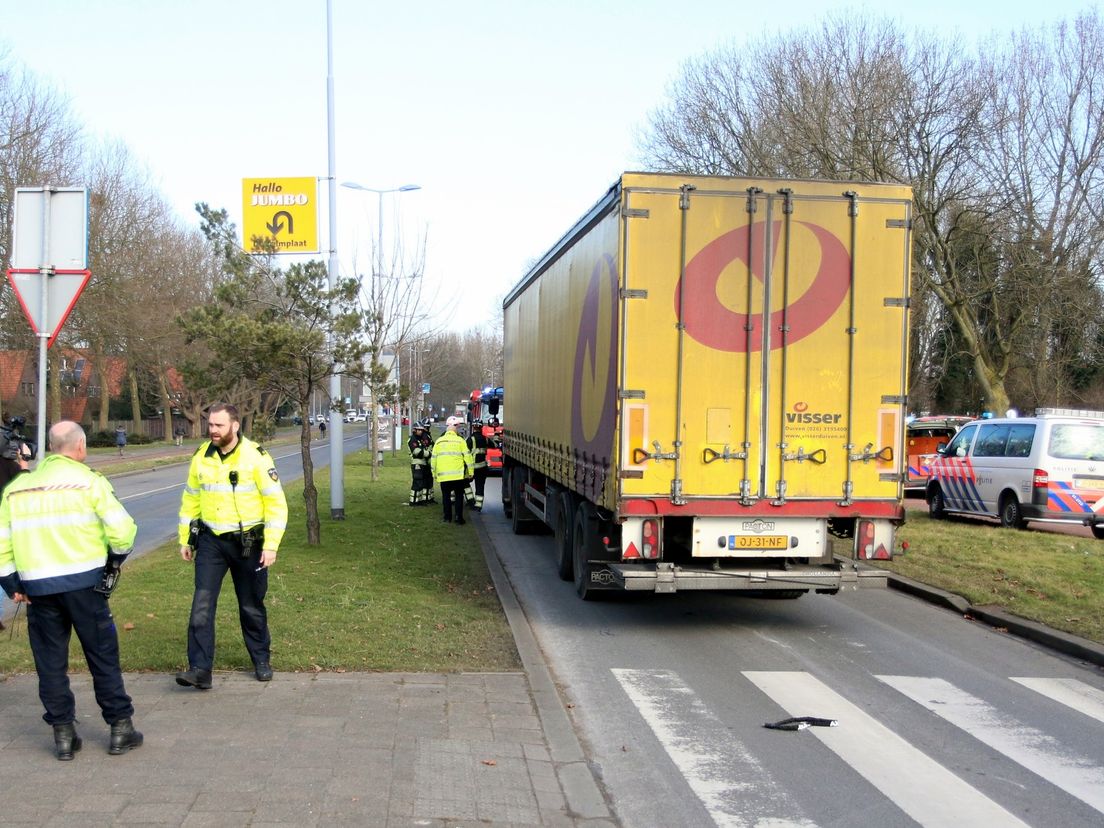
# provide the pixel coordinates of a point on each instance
(763, 341)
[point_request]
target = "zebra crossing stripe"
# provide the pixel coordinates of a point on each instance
(915, 783)
(734, 788)
(1070, 692)
(1028, 746)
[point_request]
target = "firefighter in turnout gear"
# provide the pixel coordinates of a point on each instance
(232, 518)
(477, 445)
(63, 537)
(452, 465)
(421, 478)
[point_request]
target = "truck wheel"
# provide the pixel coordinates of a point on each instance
(1010, 514)
(1098, 531)
(937, 509)
(581, 543)
(521, 520)
(504, 489)
(565, 552)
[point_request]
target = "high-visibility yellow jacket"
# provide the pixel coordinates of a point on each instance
(256, 499)
(451, 459)
(56, 525)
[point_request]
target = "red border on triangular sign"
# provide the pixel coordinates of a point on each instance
(61, 321)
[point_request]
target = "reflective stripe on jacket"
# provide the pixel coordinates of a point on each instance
(258, 497)
(451, 459)
(477, 445)
(56, 524)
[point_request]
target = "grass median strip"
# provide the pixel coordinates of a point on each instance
(390, 588)
(1052, 578)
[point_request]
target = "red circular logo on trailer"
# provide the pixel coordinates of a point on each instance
(714, 325)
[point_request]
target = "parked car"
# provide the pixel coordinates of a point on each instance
(924, 436)
(1047, 468)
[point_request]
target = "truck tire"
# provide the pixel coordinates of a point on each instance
(522, 521)
(504, 490)
(582, 542)
(1098, 531)
(565, 524)
(937, 507)
(1011, 516)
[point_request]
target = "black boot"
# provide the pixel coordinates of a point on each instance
(66, 741)
(200, 679)
(124, 737)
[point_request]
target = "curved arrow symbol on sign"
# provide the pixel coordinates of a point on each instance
(275, 226)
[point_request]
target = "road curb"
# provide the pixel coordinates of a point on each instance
(584, 796)
(1062, 642)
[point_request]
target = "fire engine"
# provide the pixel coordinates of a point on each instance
(485, 412)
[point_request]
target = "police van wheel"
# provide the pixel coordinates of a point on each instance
(1010, 514)
(937, 508)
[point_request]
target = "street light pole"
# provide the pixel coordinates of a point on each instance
(337, 442)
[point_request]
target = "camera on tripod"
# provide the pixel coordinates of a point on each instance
(14, 443)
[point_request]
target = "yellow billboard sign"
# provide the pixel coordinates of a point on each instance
(283, 210)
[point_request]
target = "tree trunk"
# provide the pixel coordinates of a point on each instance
(53, 387)
(166, 403)
(373, 440)
(135, 403)
(310, 491)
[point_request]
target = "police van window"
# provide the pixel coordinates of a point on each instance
(1077, 441)
(961, 441)
(991, 441)
(1020, 438)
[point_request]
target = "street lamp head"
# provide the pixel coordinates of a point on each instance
(405, 188)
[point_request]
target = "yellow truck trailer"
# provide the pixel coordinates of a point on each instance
(707, 381)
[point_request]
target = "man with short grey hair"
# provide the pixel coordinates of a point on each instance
(61, 531)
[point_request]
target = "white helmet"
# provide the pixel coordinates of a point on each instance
(454, 421)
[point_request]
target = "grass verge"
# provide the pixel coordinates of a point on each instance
(1052, 578)
(389, 588)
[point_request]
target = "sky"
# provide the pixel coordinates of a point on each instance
(512, 118)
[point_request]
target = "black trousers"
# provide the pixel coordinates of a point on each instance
(215, 555)
(452, 493)
(51, 620)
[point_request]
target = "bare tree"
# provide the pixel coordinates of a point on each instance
(395, 305)
(976, 136)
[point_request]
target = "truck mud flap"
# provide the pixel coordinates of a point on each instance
(672, 578)
(603, 576)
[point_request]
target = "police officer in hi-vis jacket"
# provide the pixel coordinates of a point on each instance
(232, 518)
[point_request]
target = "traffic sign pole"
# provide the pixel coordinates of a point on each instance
(45, 270)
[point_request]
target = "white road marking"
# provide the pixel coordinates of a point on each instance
(1070, 692)
(1028, 746)
(917, 784)
(734, 788)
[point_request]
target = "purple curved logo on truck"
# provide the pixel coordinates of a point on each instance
(595, 373)
(712, 324)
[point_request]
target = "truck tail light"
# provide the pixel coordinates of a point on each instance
(1040, 479)
(866, 539)
(868, 546)
(650, 540)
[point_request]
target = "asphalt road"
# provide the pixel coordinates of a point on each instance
(941, 721)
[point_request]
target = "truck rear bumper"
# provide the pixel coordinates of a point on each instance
(666, 577)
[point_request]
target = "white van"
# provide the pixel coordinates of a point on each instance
(1047, 468)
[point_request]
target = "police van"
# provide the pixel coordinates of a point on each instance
(1047, 468)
